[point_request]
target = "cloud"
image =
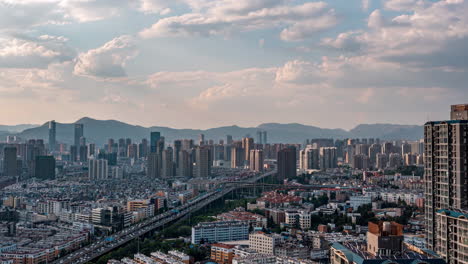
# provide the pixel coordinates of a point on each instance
(433, 35)
(25, 52)
(107, 61)
(231, 16)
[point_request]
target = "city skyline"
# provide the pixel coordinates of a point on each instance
(200, 64)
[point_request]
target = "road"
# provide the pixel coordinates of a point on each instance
(101, 247)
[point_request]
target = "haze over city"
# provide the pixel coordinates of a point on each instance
(202, 64)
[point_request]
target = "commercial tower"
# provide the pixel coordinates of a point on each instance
(446, 185)
(79, 133)
(154, 138)
(52, 136)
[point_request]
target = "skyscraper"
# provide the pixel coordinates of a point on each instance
(459, 112)
(177, 149)
(256, 160)
(287, 163)
(328, 158)
(309, 158)
(167, 169)
(154, 137)
(259, 137)
(185, 164)
(52, 136)
(44, 168)
(153, 165)
(446, 184)
(247, 145)
(79, 132)
(265, 139)
(10, 162)
(229, 139)
(203, 162)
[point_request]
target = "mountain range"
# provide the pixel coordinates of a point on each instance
(99, 131)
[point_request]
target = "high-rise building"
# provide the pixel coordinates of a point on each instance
(154, 138)
(91, 150)
(260, 137)
(287, 164)
(446, 184)
(374, 149)
(74, 153)
(10, 163)
(405, 148)
(185, 168)
(309, 158)
(381, 161)
(229, 139)
(177, 149)
(44, 168)
(237, 157)
(98, 169)
(247, 145)
(328, 158)
(203, 162)
(153, 165)
(256, 160)
(79, 132)
(52, 136)
(132, 151)
(110, 145)
(201, 139)
(83, 152)
(167, 163)
(143, 148)
(265, 139)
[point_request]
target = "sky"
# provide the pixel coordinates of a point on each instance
(209, 63)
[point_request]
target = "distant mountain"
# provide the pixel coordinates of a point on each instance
(16, 128)
(99, 131)
(388, 131)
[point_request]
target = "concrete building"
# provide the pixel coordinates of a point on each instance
(264, 243)
(287, 163)
(203, 161)
(309, 159)
(328, 158)
(221, 231)
(98, 169)
(445, 173)
(256, 160)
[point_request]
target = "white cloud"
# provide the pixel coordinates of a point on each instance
(107, 61)
(33, 52)
(229, 16)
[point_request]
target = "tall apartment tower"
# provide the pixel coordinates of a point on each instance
(52, 136)
(256, 160)
(10, 163)
(153, 165)
(167, 167)
(446, 183)
(79, 133)
(287, 163)
(247, 145)
(309, 158)
(203, 161)
(98, 169)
